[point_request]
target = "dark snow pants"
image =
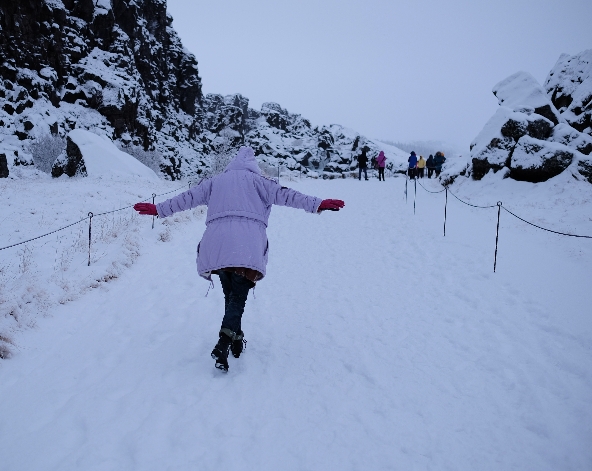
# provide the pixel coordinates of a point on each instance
(380, 173)
(236, 289)
(363, 169)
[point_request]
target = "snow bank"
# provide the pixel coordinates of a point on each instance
(103, 159)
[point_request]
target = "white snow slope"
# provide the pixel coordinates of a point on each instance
(374, 343)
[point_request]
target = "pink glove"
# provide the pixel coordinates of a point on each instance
(146, 208)
(331, 205)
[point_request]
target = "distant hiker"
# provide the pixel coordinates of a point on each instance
(412, 164)
(363, 164)
(439, 160)
(430, 165)
(421, 163)
(234, 245)
(381, 162)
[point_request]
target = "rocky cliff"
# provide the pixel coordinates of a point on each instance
(118, 68)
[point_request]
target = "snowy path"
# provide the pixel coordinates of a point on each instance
(374, 343)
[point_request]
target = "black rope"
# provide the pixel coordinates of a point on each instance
(443, 189)
(548, 230)
(94, 215)
(469, 204)
(141, 201)
(49, 233)
(505, 209)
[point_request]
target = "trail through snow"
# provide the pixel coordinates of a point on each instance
(374, 343)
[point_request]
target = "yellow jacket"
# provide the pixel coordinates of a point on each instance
(421, 163)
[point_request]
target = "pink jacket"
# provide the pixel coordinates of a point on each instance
(381, 159)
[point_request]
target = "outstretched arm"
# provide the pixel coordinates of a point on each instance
(283, 196)
(196, 196)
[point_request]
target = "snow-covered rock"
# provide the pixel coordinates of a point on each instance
(521, 90)
(535, 161)
(4, 172)
(528, 137)
(91, 155)
(493, 147)
(569, 85)
(117, 68)
(565, 134)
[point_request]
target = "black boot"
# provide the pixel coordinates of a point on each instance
(220, 352)
(238, 344)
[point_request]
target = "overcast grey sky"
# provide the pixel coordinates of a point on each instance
(398, 70)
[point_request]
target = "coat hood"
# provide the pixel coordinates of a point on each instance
(244, 160)
(381, 155)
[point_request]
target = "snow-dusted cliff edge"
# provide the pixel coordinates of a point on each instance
(118, 68)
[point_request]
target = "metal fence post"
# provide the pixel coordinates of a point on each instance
(445, 206)
(90, 216)
(499, 209)
(415, 194)
(406, 180)
(153, 196)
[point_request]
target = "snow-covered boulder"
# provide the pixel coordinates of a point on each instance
(534, 160)
(493, 147)
(70, 163)
(565, 134)
(585, 167)
(3, 166)
(528, 137)
(521, 90)
(88, 154)
(569, 85)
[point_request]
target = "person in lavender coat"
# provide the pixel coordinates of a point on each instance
(234, 245)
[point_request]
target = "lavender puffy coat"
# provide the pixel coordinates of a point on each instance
(239, 202)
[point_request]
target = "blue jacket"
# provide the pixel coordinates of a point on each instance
(439, 160)
(412, 161)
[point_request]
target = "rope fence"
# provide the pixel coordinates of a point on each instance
(89, 218)
(499, 205)
(445, 189)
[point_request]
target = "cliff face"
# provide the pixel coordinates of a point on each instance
(121, 59)
(118, 68)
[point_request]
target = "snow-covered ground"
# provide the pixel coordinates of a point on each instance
(374, 342)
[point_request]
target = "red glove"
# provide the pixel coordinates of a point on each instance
(146, 208)
(331, 205)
